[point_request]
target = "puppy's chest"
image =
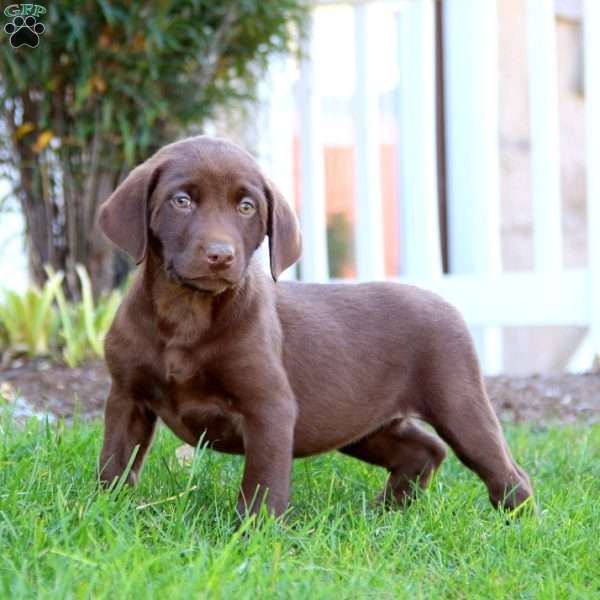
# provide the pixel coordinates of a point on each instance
(184, 354)
(186, 388)
(196, 408)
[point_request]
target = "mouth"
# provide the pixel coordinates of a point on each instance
(206, 283)
(211, 285)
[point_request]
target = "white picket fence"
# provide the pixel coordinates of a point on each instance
(488, 297)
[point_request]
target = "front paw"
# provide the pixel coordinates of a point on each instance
(111, 475)
(262, 503)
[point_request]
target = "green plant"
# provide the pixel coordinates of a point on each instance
(74, 342)
(111, 81)
(30, 320)
(43, 322)
(84, 324)
(97, 317)
(340, 239)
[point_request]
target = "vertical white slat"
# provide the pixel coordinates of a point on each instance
(314, 264)
(369, 210)
(281, 134)
(471, 99)
(545, 155)
(419, 217)
(591, 25)
(273, 136)
(258, 139)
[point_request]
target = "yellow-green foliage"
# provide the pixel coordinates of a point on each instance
(30, 320)
(44, 323)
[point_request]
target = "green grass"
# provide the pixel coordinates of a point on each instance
(175, 536)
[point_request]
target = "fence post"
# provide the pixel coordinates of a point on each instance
(419, 216)
(470, 70)
(591, 25)
(545, 160)
(369, 211)
(314, 265)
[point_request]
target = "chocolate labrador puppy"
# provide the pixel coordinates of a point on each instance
(206, 341)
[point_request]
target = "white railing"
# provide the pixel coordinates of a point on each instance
(489, 298)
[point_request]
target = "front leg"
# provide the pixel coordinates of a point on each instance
(127, 425)
(268, 448)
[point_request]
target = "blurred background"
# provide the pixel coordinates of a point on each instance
(454, 144)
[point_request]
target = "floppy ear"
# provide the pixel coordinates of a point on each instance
(123, 217)
(285, 241)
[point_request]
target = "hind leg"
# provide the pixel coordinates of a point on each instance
(461, 413)
(410, 454)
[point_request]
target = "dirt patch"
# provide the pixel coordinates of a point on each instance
(562, 398)
(40, 387)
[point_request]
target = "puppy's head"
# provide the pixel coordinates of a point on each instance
(203, 207)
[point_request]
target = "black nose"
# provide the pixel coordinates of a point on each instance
(219, 254)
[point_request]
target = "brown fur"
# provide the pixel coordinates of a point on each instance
(219, 351)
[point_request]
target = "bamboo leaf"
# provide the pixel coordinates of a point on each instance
(128, 141)
(87, 300)
(107, 11)
(24, 129)
(42, 141)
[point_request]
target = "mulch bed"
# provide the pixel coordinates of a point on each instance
(41, 387)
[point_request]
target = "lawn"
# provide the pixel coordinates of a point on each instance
(175, 536)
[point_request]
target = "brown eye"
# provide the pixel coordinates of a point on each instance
(246, 207)
(182, 201)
